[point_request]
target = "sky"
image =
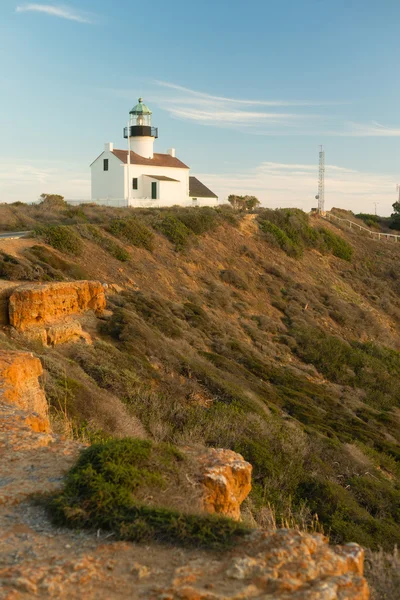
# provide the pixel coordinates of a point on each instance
(245, 91)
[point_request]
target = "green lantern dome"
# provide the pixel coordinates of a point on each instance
(140, 109)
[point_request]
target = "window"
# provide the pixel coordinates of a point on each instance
(134, 183)
(105, 164)
(154, 190)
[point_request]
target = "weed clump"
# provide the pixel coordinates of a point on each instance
(61, 237)
(94, 233)
(117, 486)
(12, 268)
(54, 266)
(133, 231)
(233, 278)
(335, 244)
(200, 220)
(175, 231)
(289, 228)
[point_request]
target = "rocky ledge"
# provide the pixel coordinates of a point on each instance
(49, 312)
(38, 560)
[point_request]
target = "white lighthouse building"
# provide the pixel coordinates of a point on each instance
(140, 177)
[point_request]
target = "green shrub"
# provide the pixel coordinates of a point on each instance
(133, 231)
(14, 269)
(55, 266)
(61, 237)
(336, 244)
(280, 236)
(175, 231)
(233, 278)
(199, 220)
(375, 369)
(94, 233)
(291, 230)
(112, 483)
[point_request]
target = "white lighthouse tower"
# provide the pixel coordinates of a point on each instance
(140, 133)
(139, 177)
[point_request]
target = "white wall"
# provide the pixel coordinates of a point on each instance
(169, 192)
(142, 145)
(111, 187)
(204, 202)
(108, 184)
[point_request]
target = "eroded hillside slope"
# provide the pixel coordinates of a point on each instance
(241, 332)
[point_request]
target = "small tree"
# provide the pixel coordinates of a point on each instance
(52, 201)
(251, 202)
(395, 216)
(243, 202)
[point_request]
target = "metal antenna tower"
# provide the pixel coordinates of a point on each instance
(398, 189)
(321, 181)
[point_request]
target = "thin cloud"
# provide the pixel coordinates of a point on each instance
(221, 111)
(372, 129)
(212, 98)
(62, 12)
(230, 117)
(286, 185)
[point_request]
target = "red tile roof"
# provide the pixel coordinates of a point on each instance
(158, 160)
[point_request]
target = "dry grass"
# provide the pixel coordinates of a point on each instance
(199, 357)
(382, 570)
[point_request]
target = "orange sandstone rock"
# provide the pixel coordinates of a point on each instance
(35, 305)
(226, 481)
(19, 385)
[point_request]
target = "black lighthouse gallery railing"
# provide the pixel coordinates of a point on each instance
(141, 130)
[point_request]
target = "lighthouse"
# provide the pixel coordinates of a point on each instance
(139, 132)
(139, 177)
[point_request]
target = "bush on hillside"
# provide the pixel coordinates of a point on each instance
(61, 237)
(335, 244)
(199, 220)
(373, 368)
(233, 278)
(133, 231)
(54, 266)
(95, 234)
(283, 240)
(52, 201)
(15, 269)
(290, 229)
(122, 486)
(175, 231)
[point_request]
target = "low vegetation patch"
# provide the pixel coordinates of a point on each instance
(61, 237)
(373, 368)
(95, 234)
(124, 485)
(290, 229)
(54, 266)
(175, 231)
(133, 231)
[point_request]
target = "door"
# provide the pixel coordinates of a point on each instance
(154, 190)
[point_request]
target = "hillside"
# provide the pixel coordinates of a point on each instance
(274, 334)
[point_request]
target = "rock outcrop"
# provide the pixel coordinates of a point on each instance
(33, 305)
(38, 560)
(48, 312)
(276, 565)
(225, 478)
(19, 386)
